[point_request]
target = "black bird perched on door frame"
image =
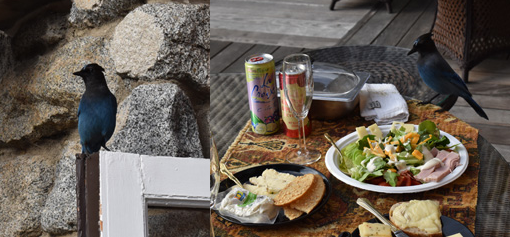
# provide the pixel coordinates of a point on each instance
(97, 111)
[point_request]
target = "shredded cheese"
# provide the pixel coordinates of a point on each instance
(417, 154)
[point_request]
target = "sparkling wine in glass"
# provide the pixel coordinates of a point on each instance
(297, 83)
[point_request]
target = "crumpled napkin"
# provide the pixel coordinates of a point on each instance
(383, 103)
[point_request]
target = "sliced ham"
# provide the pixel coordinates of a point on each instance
(442, 155)
(438, 174)
(434, 151)
(424, 173)
(435, 174)
(452, 160)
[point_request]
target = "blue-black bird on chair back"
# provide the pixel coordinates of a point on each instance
(438, 75)
(97, 111)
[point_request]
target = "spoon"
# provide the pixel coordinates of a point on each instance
(334, 145)
(363, 202)
(224, 170)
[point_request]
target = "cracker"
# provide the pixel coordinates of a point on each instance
(292, 213)
(311, 199)
(294, 190)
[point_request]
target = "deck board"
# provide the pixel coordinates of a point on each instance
(285, 23)
(376, 24)
(494, 134)
(497, 117)
(488, 101)
(228, 56)
(402, 23)
(422, 25)
(504, 150)
(272, 38)
(281, 52)
(217, 46)
(490, 65)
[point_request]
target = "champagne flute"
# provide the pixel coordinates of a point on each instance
(297, 84)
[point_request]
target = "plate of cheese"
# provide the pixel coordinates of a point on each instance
(292, 187)
(416, 218)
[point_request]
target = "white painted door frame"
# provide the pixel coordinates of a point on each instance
(129, 183)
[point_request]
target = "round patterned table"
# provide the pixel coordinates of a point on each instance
(230, 112)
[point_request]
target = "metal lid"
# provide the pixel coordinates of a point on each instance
(260, 58)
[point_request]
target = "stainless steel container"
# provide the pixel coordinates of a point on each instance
(336, 91)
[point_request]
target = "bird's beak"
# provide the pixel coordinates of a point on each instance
(411, 51)
(79, 73)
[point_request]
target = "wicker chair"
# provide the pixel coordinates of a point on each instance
(469, 31)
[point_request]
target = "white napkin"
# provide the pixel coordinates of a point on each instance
(382, 103)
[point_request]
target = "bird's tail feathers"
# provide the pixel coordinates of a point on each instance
(476, 107)
(104, 146)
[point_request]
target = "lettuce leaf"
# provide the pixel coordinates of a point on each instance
(390, 177)
(415, 171)
(379, 163)
(398, 133)
(428, 127)
(353, 153)
(441, 143)
(362, 143)
(361, 173)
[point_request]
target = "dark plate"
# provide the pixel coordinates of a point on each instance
(293, 169)
(450, 227)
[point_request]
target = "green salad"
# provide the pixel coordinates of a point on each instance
(393, 159)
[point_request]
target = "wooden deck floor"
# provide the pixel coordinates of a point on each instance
(296, 23)
(489, 81)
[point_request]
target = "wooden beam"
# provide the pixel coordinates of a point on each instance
(80, 195)
(87, 188)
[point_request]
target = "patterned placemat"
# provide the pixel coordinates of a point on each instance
(457, 199)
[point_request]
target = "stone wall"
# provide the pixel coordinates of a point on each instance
(156, 60)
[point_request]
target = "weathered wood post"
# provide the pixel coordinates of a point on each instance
(87, 194)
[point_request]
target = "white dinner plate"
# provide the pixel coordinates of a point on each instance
(332, 165)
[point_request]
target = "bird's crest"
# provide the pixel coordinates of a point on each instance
(423, 37)
(92, 67)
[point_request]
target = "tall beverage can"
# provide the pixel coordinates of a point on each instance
(262, 94)
(290, 124)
